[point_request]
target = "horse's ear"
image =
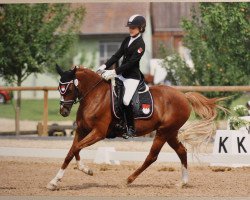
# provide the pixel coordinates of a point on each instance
(74, 70)
(59, 69)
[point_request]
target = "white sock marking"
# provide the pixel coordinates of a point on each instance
(184, 173)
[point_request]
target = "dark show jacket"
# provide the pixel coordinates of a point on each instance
(130, 67)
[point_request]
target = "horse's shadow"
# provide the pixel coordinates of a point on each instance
(109, 186)
(168, 186)
(87, 186)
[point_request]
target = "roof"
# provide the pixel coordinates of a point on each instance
(110, 18)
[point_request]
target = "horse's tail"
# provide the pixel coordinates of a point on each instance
(201, 131)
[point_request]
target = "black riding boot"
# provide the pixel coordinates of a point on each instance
(121, 126)
(129, 116)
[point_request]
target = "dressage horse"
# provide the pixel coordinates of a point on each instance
(172, 109)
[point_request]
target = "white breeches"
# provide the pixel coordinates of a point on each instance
(130, 88)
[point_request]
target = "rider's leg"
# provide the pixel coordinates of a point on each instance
(130, 120)
(120, 92)
(130, 86)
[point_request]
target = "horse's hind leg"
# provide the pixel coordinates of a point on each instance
(158, 143)
(182, 153)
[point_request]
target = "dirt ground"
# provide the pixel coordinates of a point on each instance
(29, 176)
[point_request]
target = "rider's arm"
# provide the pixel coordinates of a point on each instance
(136, 57)
(116, 56)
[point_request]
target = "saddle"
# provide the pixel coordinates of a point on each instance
(142, 101)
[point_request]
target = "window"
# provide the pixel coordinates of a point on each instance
(107, 49)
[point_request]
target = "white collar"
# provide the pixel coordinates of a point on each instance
(133, 39)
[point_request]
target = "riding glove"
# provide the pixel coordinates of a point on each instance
(101, 68)
(108, 74)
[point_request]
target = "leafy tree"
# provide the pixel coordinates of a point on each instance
(218, 36)
(34, 37)
(178, 72)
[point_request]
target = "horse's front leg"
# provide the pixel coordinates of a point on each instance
(81, 166)
(96, 136)
(79, 163)
(52, 185)
(93, 137)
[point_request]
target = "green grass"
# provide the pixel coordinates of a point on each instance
(241, 101)
(33, 110)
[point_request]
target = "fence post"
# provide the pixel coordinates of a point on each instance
(17, 120)
(45, 113)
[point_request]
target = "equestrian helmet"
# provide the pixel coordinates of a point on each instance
(137, 21)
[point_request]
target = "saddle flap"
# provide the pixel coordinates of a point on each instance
(142, 87)
(142, 101)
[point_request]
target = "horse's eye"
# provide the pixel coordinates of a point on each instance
(69, 91)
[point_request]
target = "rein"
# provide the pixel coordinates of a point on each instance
(88, 91)
(76, 97)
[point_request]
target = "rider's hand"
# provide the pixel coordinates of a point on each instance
(108, 74)
(101, 69)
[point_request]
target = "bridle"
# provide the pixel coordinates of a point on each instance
(64, 86)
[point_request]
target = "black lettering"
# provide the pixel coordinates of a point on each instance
(240, 145)
(222, 144)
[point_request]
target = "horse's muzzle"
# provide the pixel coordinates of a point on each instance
(65, 111)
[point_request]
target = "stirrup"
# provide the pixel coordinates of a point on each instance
(120, 127)
(129, 134)
(125, 136)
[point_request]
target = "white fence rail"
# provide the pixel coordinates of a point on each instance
(108, 155)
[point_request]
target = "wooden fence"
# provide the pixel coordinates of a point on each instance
(182, 88)
(45, 102)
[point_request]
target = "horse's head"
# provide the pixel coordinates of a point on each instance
(68, 90)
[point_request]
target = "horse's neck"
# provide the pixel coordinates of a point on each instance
(88, 79)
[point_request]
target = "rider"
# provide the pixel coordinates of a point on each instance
(132, 49)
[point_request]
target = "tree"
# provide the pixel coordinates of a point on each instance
(218, 36)
(34, 37)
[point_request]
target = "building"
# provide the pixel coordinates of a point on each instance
(166, 27)
(104, 29)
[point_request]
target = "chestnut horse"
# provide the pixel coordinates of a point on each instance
(94, 117)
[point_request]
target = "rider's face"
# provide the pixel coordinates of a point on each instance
(133, 31)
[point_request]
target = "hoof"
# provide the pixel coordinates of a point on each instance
(182, 184)
(86, 170)
(90, 172)
(130, 180)
(52, 187)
